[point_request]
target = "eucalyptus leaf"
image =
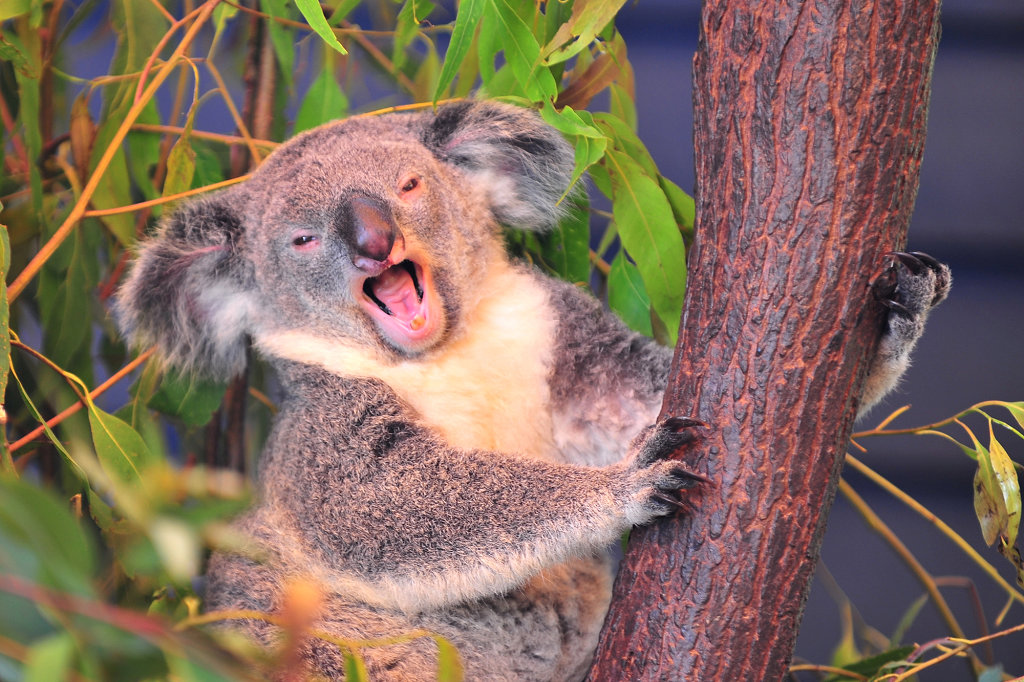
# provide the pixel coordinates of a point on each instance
(627, 295)
(449, 665)
(649, 234)
(466, 23)
(566, 249)
(324, 101)
(50, 659)
(522, 52)
(587, 21)
(121, 450)
(314, 16)
(40, 541)
(190, 399)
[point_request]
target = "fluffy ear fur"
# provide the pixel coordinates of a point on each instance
(189, 292)
(522, 164)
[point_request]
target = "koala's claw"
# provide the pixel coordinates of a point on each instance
(679, 423)
(912, 283)
(660, 440)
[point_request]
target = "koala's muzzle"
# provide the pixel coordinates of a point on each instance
(397, 291)
(369, 230)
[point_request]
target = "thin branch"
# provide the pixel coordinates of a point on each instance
(235, 115)
(99, 390)
(131, 208)
(214, 137)
(919, 571)
(944, 528)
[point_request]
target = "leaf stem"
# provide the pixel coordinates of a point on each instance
(924, 512)
(99, 390)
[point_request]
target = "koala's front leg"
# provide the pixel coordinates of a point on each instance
(912, 284)
(442, 526)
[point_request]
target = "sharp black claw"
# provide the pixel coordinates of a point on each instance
(681, 423)
(910, 260)
(665, 498)
(894, 306)
(691, 478)
(927, 260)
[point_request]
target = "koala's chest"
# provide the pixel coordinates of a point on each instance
(489, 389)
(486, 389)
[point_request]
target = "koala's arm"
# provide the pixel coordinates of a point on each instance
(403, 520)
(607, 381)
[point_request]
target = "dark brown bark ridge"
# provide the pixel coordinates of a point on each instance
(809, 127)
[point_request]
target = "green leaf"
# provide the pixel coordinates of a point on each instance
(587, 21)
(13, 8)
(324, 101)
(624, 139)
(873, 664)
(12, 54)
(192, 400)
(114, 188)
(282, 37)
(66, 303)
(683, 208)
(466, 22)
(40, 541)
(315, 18)
(181, 166)
(143, 152)
(407, 27)
(50, 659)
(522, 52)
(627, 296)
(991, 674)
(590, 142)
(907, 619)
(355, 668)
(1009, 486)
(121, 450)
(566, 249)
(449, 665)
(649, 234)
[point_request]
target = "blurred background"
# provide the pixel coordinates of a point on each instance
(970, 214)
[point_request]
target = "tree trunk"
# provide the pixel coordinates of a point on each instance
(809, 127)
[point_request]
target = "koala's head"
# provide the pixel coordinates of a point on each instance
(371, 230)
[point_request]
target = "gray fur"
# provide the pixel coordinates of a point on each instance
(455, 463)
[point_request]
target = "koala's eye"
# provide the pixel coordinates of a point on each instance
(410, 186)
(304, 242)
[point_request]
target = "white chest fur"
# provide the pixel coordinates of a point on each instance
(487, 389)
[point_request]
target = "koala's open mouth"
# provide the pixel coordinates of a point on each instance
(402, 302)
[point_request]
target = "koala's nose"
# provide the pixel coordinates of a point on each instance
(370, 232)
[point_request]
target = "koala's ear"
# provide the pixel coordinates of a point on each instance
(190, 293)
(523, 164)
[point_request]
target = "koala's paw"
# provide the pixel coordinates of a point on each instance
(912, 284)
(656, 481)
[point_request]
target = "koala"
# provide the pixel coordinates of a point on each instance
(461, 437)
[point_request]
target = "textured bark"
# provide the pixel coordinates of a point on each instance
(809, 127)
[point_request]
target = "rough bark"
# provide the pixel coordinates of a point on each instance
(809, 128)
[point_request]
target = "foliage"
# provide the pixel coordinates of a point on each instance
(111, 498)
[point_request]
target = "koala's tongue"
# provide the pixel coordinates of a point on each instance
(396, 289)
